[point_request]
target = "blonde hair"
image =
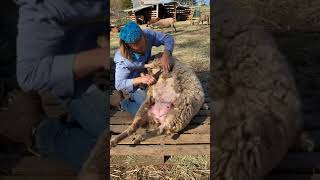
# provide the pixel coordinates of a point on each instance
(125, 49)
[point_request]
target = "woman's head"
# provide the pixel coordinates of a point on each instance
(132, 38)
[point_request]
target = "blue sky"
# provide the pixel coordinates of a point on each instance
(206, 1)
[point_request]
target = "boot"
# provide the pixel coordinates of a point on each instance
(24, 112)
(115, 99)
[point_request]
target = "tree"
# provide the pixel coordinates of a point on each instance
(116, 5)
(126, 4)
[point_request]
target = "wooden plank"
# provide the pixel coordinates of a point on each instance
(308, 162)
(128, 120)
(161, 150)
(175, 11)
(157, 10)
(32, 165)
(181, 139)
(190, 129)
(121, 114)
(293, 176)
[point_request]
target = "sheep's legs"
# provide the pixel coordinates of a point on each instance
(139, 120)
(174, 28)
(149, 134)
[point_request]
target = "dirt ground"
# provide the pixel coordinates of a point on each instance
(192, 47)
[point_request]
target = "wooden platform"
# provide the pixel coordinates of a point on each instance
(193, 140)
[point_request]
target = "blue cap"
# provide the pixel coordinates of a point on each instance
(130, 33)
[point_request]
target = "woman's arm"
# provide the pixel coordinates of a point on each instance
(90, 61)
(40, 66)
(159, 38)
(122, 72)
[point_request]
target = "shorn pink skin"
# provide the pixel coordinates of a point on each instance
(159, 110)
(165, 96)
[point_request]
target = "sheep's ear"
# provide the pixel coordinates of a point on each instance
(159, 55)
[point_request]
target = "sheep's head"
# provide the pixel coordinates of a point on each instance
(154, 62)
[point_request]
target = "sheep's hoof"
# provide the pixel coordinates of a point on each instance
(175, 136)
(138, 139)
(113, 144)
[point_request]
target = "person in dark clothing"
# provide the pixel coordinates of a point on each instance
(57, 52)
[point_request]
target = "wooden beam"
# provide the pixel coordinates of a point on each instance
(180, 139)
(161, 150)
(175, 12)
(190, 129)
(121, 120)
(157, 15)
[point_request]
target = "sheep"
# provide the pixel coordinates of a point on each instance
(165, 23)
(194, 22)
(152, 20)
(170, 104)
(203, 18)
(255, 101)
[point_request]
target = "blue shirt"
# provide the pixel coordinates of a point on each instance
(47, 44)
(126, 69)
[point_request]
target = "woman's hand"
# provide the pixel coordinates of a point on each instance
(144, 79)
(147, 79)
(99, 60)
(165, 61)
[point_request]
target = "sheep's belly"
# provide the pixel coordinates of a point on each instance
(164, 97)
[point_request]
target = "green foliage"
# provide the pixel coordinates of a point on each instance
(121, 21)
(126, 4)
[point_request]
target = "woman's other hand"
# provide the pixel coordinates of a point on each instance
(147, 79)
(165, 61)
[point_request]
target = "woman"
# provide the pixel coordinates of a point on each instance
(134, 51)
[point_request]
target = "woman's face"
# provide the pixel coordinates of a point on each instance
(140, 46)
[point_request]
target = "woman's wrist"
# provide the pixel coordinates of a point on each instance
(137, 81)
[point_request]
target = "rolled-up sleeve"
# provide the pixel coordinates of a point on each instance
(160, 38)
(122, 72)
(39, 65)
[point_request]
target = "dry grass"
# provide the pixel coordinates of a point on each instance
(177, 167)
